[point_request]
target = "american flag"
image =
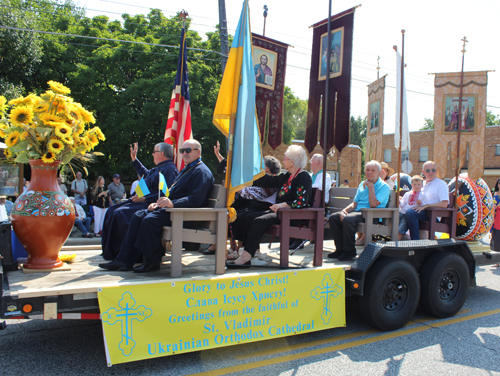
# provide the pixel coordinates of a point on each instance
(179, 116)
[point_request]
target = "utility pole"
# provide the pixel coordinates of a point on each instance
(224, 45)
(265, 18)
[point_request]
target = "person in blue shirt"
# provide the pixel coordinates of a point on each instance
(143, 237)
(372, 193)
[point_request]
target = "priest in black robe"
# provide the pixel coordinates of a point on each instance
(190, 190)
(117, 218)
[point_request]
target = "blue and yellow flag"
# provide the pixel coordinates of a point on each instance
(142, 188)
(162, 185)
(234, 113)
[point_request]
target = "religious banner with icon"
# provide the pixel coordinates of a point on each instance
(269, 60)
(375, 125)
(150, 320)
(471, 119)
(342, 26)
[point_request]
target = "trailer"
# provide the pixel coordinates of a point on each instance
(201, 311)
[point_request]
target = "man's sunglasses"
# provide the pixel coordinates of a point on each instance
(186, 150)
(430, 169)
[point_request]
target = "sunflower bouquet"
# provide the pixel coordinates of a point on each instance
(51, 127)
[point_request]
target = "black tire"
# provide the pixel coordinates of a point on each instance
(391, 293)
(444, 278)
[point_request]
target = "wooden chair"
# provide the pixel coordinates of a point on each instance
(313, 231)
(448, 222)
(340, 198)
(389, 224)
(214, 231)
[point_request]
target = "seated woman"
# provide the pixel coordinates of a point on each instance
(294, 189)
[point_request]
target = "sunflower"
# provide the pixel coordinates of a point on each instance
(24, 135)
(12, 139)
(97, 131)
(55, 146)
(8, 153)
(93, 140)
(59, 88)
(53, 124)
(2, 133)
(67, 140)
(40, 105)
(3, 106)
(86, 115)
(46, 117)
(79, 128)
(21, 115)
(48, 157)
(62, 130)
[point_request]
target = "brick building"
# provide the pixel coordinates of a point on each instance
(422, 150)
(348, 166)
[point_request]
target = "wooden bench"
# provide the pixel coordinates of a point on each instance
(313, 231)
(214, 230)
(447, 223)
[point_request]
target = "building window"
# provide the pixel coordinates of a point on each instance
(497, 149)
(387, 155)
(405, 154)
(424, 154)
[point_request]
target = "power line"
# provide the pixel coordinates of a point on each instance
(107, 39)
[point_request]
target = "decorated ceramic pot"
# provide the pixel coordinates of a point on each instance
(474, 208)
(42, 217)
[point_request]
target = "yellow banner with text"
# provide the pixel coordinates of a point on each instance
(146, 321)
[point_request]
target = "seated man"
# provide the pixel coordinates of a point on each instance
(117, 218)
(8, 204)
(436, 193)
(317, 176)
(371, 193)
(81, 220)
(189, 190)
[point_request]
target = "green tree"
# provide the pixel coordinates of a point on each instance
(492, 119)
(428, 124)
(357, 135)
(294, 117)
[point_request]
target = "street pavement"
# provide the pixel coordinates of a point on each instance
(467, 344)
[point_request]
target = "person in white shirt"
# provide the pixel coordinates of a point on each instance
(81, 220)
(79, 188)
(436, 193)
(317, 175)
(134, 185)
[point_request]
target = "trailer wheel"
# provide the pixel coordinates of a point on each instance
(445, 284)
(391, 294)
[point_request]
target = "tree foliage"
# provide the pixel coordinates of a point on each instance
(294, 117)
(428, 124)
(357, 134)
(492, 119)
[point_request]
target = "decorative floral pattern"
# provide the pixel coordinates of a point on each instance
(43, 204)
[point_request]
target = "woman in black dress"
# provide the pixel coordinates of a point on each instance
(294, 191)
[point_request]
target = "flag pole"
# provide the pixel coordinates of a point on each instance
(458, 165)
(398, 176)
(325, 99)
(229, 166)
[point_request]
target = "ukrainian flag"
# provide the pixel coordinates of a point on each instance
(234, 113)
(142, 188)
(162, 185)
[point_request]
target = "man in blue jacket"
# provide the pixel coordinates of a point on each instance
(189, 190)
(118, 216)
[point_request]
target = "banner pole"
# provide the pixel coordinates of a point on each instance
(458, 165)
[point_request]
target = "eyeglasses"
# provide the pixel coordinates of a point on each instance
(430, 169)
(156, 151)
(186, 150)
(285, 158)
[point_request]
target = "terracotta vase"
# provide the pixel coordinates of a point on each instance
(43, 217)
